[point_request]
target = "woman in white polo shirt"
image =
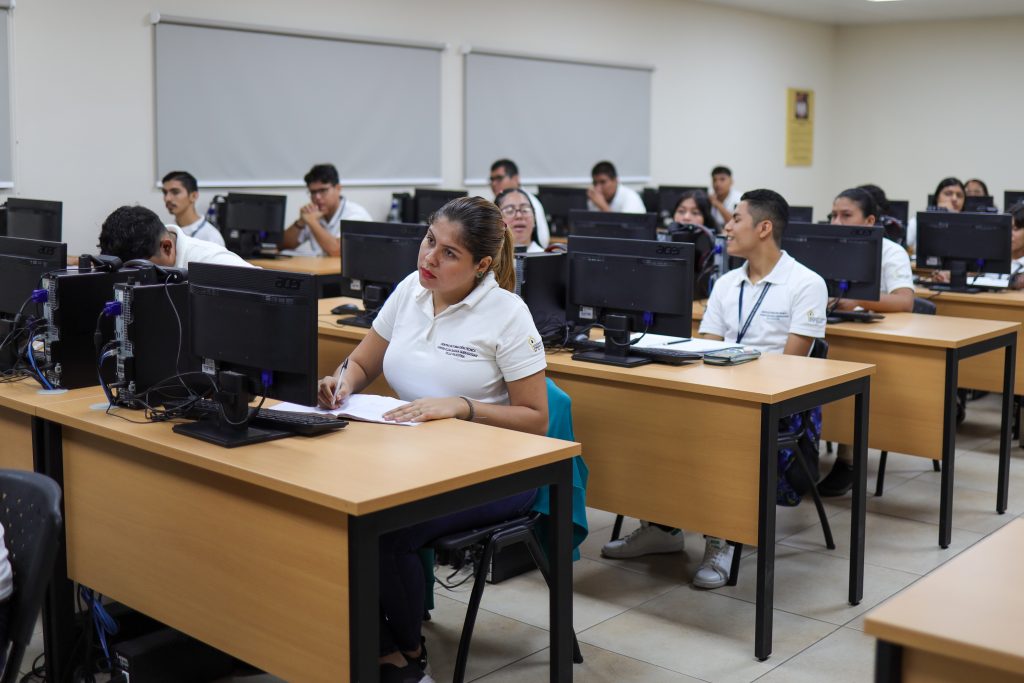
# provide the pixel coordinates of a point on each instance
(517, 209)
(454, 341)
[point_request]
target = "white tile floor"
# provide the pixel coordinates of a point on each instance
(639, 620)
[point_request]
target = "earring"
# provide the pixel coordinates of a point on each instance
(479, 275)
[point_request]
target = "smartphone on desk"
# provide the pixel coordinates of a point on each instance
(734, 356)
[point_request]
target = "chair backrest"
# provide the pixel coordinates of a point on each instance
(924, 306)
(819, 349)
(31, 517)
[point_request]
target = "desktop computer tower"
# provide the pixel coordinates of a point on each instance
(74, 303)
(152, 335)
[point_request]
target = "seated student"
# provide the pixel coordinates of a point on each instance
(517, 211)
(463, 294)
(1016, 276)
(317, 232)
(135, 232)
(949, 196)
(724, 197)
(783, 311)
(694, 208)
(607, 194)
(894, 227)
(975, 188)
(180, 194)
(505, 175)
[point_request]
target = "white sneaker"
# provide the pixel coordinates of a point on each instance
(713, 571)
(647, 540)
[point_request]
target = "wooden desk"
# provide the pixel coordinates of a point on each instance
(632, 422)
(962, 622)
(19, 404)
(914, 407)
(327, 269)
(270, 552)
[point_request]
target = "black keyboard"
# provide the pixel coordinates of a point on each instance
(305, 424)
(665, 355)
(853, 316)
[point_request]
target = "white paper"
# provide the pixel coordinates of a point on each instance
(362, 407)
(984, 281)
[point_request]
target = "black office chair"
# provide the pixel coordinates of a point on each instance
(491, 540)
(808, 467)
(32, 521)
(924, 307)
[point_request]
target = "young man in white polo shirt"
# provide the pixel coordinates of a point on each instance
(723, 196)
(771, 303)
(317, 231)
(181, 190)
(504, 176)
(608, 194)
(135, 232)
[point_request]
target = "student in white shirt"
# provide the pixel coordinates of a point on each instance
(517, 210)
(723, 196)
(455, 342)
(771, 303)
(505, 175)
(317, 231)
(608, 194)
(180, 194)
(1016, 276)
(135, 232)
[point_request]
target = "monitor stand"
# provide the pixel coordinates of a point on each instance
(616, 346)
(230, 428)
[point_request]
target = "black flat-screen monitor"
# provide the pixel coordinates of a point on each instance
(637, 226)
(540, 282)
(255, 331)
(22, 265)
(33, 219)
(668, 197)
(900, 210)
(375, 257)
(628, 286)
(253, 222)
(847, 257)
(963, 243)
(984, 204)
(558, 202)
(1011, 197)
(428, 201)
(801, 214)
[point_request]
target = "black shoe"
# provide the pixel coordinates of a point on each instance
(420, 661)
(410, 673)
(838, 481)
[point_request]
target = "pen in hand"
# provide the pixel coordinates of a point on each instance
(338, 376)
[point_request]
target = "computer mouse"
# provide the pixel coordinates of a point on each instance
(345, 308)
(581, 339)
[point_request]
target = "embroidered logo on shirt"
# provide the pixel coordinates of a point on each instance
(458, 350)
(534, 344)
(774, 315)
(813, 319)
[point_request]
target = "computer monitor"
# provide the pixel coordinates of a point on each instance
(984, 204)
(962, 243)
(649, 195)
(255, 332)
(801, 214)
(253, 223)
(33, 219)
(429, 200)
(636, 226)
(1011, 197)
(900, 210)
(628, 286)
(375, 257)
(668, 197)
(540, 282)
(22, 265)
(558, 202)
(847, 257)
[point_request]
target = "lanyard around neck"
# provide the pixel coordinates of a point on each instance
(744, 326)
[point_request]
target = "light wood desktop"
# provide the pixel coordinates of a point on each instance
(684, 445)
(913, 410)
(962, 622)
(268, 552)
(314, 265)
(20, 401)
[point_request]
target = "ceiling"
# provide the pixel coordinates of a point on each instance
(865, 12)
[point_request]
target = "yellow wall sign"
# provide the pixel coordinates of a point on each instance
(799, 127)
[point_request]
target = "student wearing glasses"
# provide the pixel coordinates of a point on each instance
(317, 230)
(504, 176)
(517, 211)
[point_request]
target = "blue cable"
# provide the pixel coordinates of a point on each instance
(32, 360)
(101, 619)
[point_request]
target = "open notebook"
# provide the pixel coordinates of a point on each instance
(362, 407)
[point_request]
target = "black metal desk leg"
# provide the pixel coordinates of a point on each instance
(363, 599)
(888, 662)
(765, 599)
(560, 594)
(948, 449)
(860, 473)
(1009, 374)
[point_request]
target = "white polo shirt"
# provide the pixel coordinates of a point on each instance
(540, 219)
(896, 272)
(626, 200)
(472, 348)
(347, 211)
(795, 304)
(732, 200)
(191, 250)
(204, 230)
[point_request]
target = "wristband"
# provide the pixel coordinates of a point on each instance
(472, 411)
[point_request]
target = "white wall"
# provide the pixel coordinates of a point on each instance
(920, 102)
(83, 86)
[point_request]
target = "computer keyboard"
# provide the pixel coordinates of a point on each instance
(305, 424)
(853, 316)
(665, 355)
